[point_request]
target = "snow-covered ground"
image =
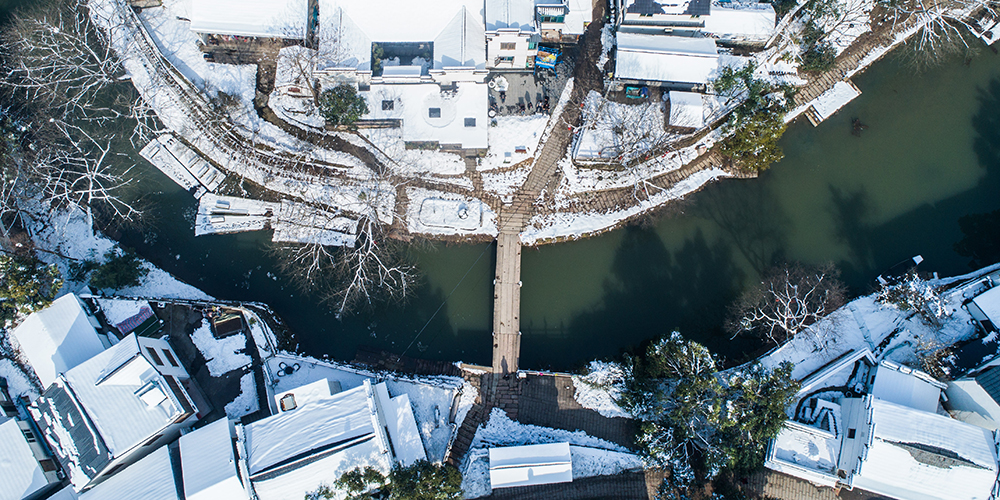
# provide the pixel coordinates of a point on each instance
(512, 134)
(438, 212)
(506, 182)
(18, 384)
(431, 397)
(223, 355)
(246, 403)
(575, 225)
(590, 456)
(118, 310)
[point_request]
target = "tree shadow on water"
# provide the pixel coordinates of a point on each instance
(750, 215)
(850, 211)
(653, 291)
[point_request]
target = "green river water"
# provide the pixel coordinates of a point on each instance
(931, 154)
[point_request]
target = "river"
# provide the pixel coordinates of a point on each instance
(863, 203)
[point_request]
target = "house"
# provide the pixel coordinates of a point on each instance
(881, 432)
(428, 57)
(26, 469)
(284, 19)
(563, 21)
(318, 435)
(151, 478)
(985, 309)
(512, 35)
(975, 397)
(113, 409)
(687, 111)
(669, 61)
(745, 23)
(59, 337)
(208, 464)
(530, 465)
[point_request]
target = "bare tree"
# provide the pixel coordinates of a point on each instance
(787, 300)
(944, 32)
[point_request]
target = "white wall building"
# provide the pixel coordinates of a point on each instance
(563, 21)
(25, 469)
(114, 408)
(59, 337)
(890, 440)
(512, 34)
(733, 22)
(319, 435)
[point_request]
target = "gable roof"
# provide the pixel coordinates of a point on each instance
(342, 43)
(259, 18)
(921, 455)
(462, 42)
(665, 58)
(404, 20)
(908, 387)
(208, 464)
(530, 465)
(20, 474)
(151, 478)
(57, 338)
(70, 434)
(510, 14)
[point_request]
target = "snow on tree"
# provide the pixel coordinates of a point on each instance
(26, 285)
(420, 481)
(788, 299)
(912, 293)
(697, 421)
(757, 122)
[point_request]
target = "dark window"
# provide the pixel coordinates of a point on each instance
(470, 122)
(508, 45)
(28, 435)
(48, 465)
(850, 433)
(434, 112)
(156, 357)
(388, 105)
(170, 357)
(507, 59)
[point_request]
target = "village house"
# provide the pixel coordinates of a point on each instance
(27, 471)
(563, 21)
(880, 428)
(59, 337)
(512, 34)
(738, 23)
(320, 432)
(116, 407)
(672, 62)
(215, 20)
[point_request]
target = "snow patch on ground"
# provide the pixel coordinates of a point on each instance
(437, 212)
(116, 311)
(18, 383)
(246, 403)
(599, 388)
(506, 183)
(222, 355)
(590, 456)
(413, 162)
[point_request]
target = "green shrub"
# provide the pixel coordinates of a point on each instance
(120, 270)
(26, 285)
(341, 105)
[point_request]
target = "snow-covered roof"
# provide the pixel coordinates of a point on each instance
(510, 14)
(908, 387)
(989, 303)
(343, 417)
(752, 24)
(306, 476)
(151, 478)
(807, 449)
(921, 455)
(342, 43)
(260, 18)
(576, 14)
(57, 338)
(20, 474)
(462, 42)
(404, 20)
(530, 465)
(208, 464)
(402, 426)
(124, 395)
(686, 109)
(314, 391)
(461, 119)
(665, 58)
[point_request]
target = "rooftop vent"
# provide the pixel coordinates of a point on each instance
(287, 402)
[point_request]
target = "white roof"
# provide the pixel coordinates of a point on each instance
(57, 338)
(510, 14)
(261, 18)
(295, 483)
(412, 105)
(909, 456)
(20, 474)
(342, 43)
(461, 43)
(530, 465)
(208, 464)
(402, 426)
(687, 109)
(404, 20)
(907, 387)
(665, 58)
(66, 493)
(107, 386)
(338, 418)
(989, 302)
(756, 24)
(807, 447)
(151, 478)
(311, 392)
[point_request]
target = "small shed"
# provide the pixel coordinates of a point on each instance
(530, 465)
(666, 59)
(686, 110)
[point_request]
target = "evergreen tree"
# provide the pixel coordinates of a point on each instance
(341, 105)
(120, 270)
(420, 481)
(26, 285)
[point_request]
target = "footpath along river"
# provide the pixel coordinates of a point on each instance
(928, 157)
